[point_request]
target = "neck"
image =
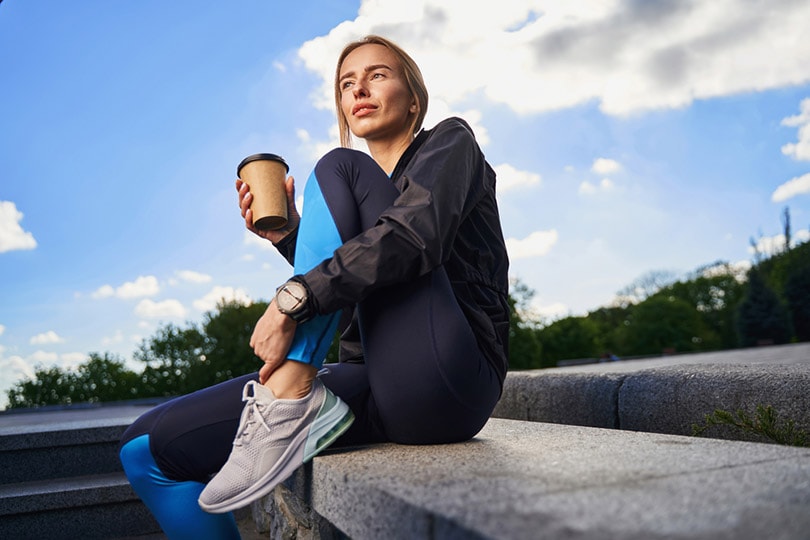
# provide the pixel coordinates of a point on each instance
(387, 153)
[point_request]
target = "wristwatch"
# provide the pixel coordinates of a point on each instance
(292, 299)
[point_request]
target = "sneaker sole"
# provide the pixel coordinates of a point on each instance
(324, 431)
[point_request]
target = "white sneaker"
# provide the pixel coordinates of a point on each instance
(275, 437)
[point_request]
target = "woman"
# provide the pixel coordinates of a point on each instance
(408, 243)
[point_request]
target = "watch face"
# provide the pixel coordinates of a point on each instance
(291, 297)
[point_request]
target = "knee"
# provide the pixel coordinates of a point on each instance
(341, 160)
(342, 154)
(136, 459)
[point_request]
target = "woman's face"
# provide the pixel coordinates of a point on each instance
(374, 95)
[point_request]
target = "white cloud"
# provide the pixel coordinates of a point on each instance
(588, 188)
(2, 329)
(795, 186)
(439, 109)
(105, 291)
(12, 235)
(15, 368)
(166, 309)
(193, 277)
(46, 338)
(317, 149)
(537, 244)
(801, 149)
(72, 360)
(209, 301)
(43, 357)
(142, 286)
(605, 166)
(510, 178)
(555, 310)
(12, 370)
(626, 56)
(118, 337)
(771, 245)
(250, 239)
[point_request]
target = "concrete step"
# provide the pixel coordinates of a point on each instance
(521, 479)
(60, 476)
(60, 453)
(94, 506)
(62, 443)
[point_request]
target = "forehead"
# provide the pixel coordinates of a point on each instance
(369, 55)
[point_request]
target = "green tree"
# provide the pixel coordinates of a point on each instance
(101, 378)
(173, 358)
(571, 337)
(525, 348)
(609, 323)
(714, 291)
(797, 294)
(761, 316)
(644, 287)
(663, 323)
(105, 378)
(182, 360)
(227, 348)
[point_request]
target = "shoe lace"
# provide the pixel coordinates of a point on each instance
(253, 416)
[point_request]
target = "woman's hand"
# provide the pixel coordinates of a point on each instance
(275, 236)
(271, 339)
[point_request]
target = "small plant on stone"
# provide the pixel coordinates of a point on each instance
(765, 423)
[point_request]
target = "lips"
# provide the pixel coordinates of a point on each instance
(362, 109)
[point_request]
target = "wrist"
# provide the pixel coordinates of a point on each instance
(294, 299)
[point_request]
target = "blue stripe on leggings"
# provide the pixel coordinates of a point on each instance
(318, 238)
(173, 503)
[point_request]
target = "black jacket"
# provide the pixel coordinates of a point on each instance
(446, 215)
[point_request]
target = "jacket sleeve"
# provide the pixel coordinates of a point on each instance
(286, 247)
(439, 187)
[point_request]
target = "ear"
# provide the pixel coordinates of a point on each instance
(414, 106)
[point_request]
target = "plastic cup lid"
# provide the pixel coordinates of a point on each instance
(257, 157)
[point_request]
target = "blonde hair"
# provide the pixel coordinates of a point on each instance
(411, 72)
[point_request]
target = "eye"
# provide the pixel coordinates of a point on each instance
(346, 85)
(377, 76)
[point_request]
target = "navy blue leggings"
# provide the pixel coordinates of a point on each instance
(424, 380)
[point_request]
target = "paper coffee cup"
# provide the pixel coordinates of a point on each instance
(265, 174)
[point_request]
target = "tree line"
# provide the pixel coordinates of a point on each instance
(716, 307)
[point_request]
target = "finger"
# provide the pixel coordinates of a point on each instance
(289, 185)
(264, 373)
(245, 203)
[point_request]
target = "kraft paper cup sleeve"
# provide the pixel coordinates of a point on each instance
(266, 175)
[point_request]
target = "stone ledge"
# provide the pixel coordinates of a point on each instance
(534, 480)
(666, 395)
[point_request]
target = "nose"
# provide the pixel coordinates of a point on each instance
(359, 89)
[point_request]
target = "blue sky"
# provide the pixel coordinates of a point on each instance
(628, 136)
